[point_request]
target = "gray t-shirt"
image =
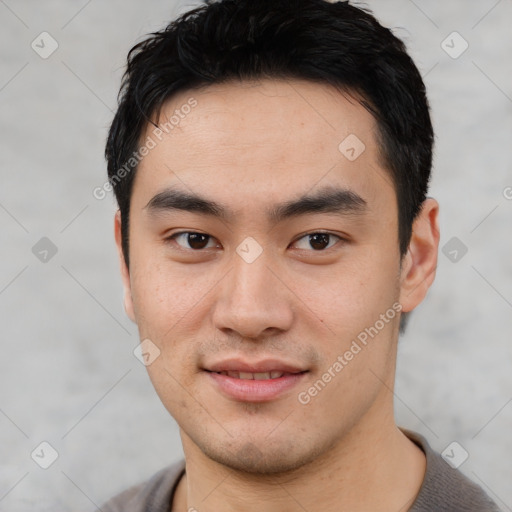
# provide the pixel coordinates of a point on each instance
(444, 489)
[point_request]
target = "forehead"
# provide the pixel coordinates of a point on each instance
(271, 139)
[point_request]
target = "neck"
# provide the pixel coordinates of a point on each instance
(374, 467)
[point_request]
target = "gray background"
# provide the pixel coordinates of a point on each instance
(68, 373)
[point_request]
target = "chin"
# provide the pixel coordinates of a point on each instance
(264, 458)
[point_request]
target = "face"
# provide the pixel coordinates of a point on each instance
(265, 271)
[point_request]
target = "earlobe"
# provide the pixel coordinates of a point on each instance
(420, 262)
(125, 273)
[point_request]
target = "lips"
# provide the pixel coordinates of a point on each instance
(275, 374)
(262, 366)
(258, 381)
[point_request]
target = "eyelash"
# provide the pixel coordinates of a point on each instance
(173, 237)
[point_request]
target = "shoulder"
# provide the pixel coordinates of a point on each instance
(446, 489)
(153, 495)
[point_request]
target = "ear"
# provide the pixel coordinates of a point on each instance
(125, 273)
(420, 262)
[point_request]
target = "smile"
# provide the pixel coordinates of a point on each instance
(254, 386)
(254, 376)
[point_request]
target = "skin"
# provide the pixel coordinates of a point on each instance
(249, 146)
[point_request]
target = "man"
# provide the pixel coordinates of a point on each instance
(271, 161)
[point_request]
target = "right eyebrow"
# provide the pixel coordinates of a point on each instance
(173, 199)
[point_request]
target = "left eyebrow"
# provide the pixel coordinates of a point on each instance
(339, 201)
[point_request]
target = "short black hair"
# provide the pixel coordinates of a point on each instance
(333, 43)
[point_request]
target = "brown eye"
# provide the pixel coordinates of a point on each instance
(317, 241)
(192, 240)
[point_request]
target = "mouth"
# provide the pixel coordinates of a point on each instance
(275, 374)
(259, 382)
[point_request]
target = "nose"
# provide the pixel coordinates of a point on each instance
(253, 299)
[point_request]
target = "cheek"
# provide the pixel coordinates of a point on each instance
(351, 296)
(172, 303)
(161, 293)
